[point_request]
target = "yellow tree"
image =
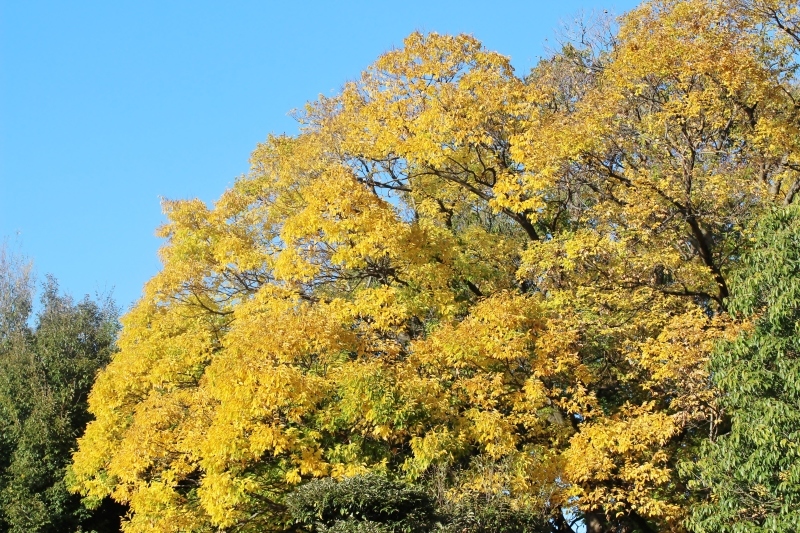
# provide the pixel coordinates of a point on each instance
(513, 283)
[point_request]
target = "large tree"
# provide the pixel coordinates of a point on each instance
(752, 472)
(47, 366)
(509, 284)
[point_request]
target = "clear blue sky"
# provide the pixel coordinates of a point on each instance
(106, 106)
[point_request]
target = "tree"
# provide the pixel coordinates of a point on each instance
(753, 471)
(15, 296)
(514, 281)
(46, 371)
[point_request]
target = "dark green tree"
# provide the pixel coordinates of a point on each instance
(752, 473)
(47, 366)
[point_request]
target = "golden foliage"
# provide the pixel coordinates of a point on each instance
(518, 280)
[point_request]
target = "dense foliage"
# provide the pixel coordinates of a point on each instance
(361, 502)
(753, 472)
(374, 503)
(489, 284)
(47, 366)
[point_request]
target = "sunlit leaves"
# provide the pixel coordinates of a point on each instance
(512, 282)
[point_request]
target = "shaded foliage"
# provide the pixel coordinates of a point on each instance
(361, 503)
(372, 503)
(46, 371)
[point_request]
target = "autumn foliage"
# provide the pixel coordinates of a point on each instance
(465, 279)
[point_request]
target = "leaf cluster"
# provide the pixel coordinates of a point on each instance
(373, 503)
(352, 503)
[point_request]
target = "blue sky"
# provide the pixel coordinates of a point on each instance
(105, 107)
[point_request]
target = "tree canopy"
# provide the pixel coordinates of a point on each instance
(753, 472)
(456, 275)
(48, 363)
